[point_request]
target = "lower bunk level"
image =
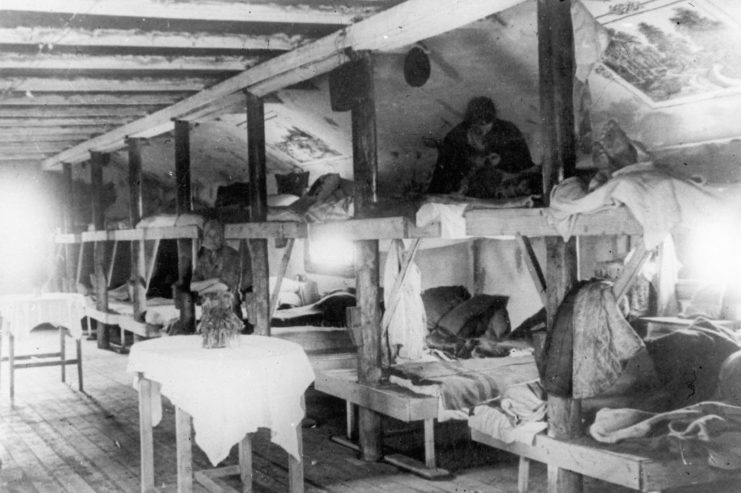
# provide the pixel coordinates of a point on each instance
(613, 463)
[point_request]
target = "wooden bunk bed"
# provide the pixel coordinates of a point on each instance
(121, 313)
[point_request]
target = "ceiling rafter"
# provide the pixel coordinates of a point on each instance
(50, 39)
(105, 84)
(116, 100)
(309, 13)
(398, 26)
(75, 112)
(75, 64)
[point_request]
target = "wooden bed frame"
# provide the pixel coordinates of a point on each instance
(607, 463)
(389, 400)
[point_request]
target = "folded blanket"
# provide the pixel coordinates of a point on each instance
(467, 383)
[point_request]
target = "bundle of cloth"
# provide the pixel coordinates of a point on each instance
(461, 326)
(694, 410)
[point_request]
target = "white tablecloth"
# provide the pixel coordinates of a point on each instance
(229, 392)
(22, 312)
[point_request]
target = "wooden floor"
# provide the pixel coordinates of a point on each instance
(56, 439)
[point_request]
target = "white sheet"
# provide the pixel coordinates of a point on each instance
(658, 201)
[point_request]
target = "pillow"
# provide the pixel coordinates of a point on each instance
(292, 183)
(440, 300)
(479, 315)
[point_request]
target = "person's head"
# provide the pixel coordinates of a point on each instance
(480, 115)
(480, 111)
(213, 234)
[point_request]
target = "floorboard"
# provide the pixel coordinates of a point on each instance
(57, 439)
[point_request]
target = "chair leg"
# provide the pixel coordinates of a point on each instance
(11, 365)
(63, 353)
(78, 343)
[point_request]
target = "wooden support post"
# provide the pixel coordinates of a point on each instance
(430, 461)
(258, 212)
(523, 475)
(183, 204)
(564, 415)
(136, 210)
(477, 266)
(184, 447)
(146, 440)
(631, 270)
(97, 161)
(281, 274)
(533, 267)
(365, 176)
(556, 68)
(69, 219)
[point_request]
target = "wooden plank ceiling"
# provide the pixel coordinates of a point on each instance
(74, 69)
(81, 75)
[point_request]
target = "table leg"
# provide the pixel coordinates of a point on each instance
(11, 364)
(62, 352)
(78, 344)
(146, 442)
(296, 466)
(183, 437)
(245, 463)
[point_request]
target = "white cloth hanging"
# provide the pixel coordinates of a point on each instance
(405, 320)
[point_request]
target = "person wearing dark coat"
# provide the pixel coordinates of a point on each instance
(481, 154)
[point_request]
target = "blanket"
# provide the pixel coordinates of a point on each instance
(658, 200)
(713, 426)
(467, 383)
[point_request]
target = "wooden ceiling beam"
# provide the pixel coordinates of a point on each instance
(20, 162)
(70, 64)
(31, 156)
(398, 26)
(33, 146)
(97, 84)
(84, 131)
(69, 139)
(75, 112)
(49, 39)
(115, 100)
(212, 10)
(62, 122)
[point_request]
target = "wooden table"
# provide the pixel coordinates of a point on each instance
(225, 394)
(21, 313)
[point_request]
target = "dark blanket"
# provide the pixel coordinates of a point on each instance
(688, 361)
(467, 383)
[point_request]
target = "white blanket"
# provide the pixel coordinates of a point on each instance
(657, 200)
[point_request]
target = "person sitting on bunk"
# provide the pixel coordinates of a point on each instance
(483, 157)
(219, 266)
(614, 151)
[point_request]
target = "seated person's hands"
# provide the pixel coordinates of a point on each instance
(213, 285)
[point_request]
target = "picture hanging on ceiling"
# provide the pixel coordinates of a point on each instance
(670, 52)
